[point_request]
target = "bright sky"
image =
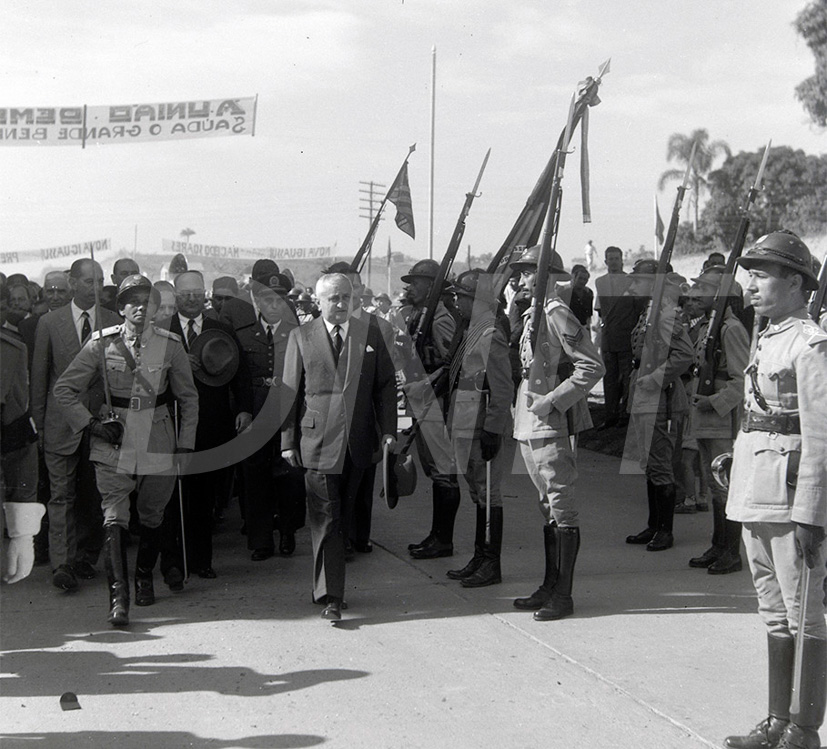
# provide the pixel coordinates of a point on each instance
(344, 89)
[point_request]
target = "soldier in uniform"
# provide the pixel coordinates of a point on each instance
(714, 421)
(550, 411)
(18, 464)
(428, 408)
(481, 392)
(146, 367)
(657, 395)
(778, 486)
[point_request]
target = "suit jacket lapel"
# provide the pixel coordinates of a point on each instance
(68, 333)
(321, 340)
(354, 348)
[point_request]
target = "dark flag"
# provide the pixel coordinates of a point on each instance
(400, 196)
(659, 227)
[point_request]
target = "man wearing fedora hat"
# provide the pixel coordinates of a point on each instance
(778, 488)
(220, 371)
(550, 411)
(271, 486)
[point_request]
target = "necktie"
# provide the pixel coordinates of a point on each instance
(85, 328)
(191, 334)
(269, 335)
(337, 341)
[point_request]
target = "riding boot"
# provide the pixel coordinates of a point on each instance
(448, 499)
(561, 604)
(780, 657)
(489, 572)
(117, 575)
(149, 546)
(730, 558)
(645, 536)
(479, 543)
(802, 730)
(540, 597)
(665, 498)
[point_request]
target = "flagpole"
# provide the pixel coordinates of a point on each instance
(656, 244)
(389, 266)
(431, 176)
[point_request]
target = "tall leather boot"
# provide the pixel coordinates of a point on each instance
(149, 546)
(434, 517)
(561, 603)
(442, 545)
(479, 551)
(489, 572)
(780, 657)
(117, 575)
(541, 596)
(708, 558)
(646, 535)
(665, 498)
(730, 559)
(802, 730)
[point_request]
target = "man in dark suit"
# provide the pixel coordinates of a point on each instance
(342, 378)
(271, 485)
(217, 425)
(75, 519)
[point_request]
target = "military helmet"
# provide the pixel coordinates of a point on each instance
(131, 284)
(529, 258)
(295, 292)
(423, 269)
(645, 265)
(473, 283)
(782, 248)
(304, 297)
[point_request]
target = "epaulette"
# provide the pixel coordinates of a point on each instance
(167, 333)
(8, 337)
(811, 333)
(111, 330)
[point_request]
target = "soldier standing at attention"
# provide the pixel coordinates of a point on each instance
(551, 409)
(778, 487)
(480, 415)
(146, 367)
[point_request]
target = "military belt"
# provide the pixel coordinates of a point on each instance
(777, 423)
(142, 402)
(265, 381)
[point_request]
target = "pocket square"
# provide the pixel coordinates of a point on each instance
(369, 349)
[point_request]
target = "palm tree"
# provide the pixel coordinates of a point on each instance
(679, 148)
(187, 233)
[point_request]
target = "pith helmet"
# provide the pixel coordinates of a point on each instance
(782, 248)
(423, 269)
(133, 283)
(530, 257)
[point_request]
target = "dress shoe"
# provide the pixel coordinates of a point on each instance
(208, 573)
(726, 563)
(686, 508)
(433, 550)
(707, 558)
(799, 737)
(644, 537)
(765, 735)
(174, 578)
(424, 542)
(363, 547)
(287, 543)
(265, 552)
(84, 570)
(661, 541)
(144, 589)
(332, 611)
(64, 578)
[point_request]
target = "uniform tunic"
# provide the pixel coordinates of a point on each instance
(562, 347)
(779, 479)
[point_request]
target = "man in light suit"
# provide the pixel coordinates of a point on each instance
(342, 378)
(75, 520)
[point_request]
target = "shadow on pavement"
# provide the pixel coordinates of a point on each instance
(144, 739)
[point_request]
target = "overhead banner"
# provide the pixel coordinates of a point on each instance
(68, 251)
(127, 123)
(193, 250)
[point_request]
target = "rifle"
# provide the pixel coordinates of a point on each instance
(653, 313)
(580, 101)
(817, 302)
(426, 319)
(708, 364)
(362, 255)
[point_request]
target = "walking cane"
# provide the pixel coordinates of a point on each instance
(181, 501)
(803, 599)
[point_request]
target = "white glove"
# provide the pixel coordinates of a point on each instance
(22, 523)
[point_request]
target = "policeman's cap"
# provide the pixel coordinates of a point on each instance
(782, 248)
